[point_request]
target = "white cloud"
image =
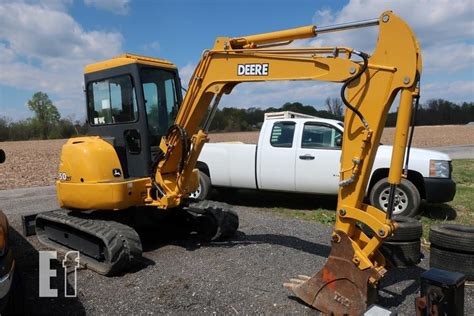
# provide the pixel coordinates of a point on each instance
(441, 26)
(456, 91)
(276, 93)
(186, 72)
(152, 47)
(120, 7)
(46, 49)
(448, 58)
(58, 5)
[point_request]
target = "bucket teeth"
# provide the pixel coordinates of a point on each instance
(340, 287)
(296, 282)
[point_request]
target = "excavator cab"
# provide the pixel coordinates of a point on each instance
(131, 103)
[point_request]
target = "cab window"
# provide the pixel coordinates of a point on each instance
(321, 136)
(282, 134)
(112, 101)
(161, 101)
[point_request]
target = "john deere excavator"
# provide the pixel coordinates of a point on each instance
(147, 141)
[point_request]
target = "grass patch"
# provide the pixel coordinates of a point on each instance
(460, 210)
(320, 215)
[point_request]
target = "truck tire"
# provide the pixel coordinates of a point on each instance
(409, 229)
(407, 198)
(203, 189)
(452, 261)
(402, 253)
(453, 237)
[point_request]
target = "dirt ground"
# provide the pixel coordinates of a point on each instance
(35, 163)
(425, 136)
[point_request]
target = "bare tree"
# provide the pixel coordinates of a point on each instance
(334, 106)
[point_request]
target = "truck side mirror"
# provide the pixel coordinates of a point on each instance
(339, 142)
(2, 156)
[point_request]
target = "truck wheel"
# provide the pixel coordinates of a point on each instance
(407, 197)
(203, 188)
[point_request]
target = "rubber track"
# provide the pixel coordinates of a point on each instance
(122, 246)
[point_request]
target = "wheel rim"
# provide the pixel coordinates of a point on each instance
(197, 193)
(401, 200)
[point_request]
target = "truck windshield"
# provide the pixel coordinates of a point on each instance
(161, 101)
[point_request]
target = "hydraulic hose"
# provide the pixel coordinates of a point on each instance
(185, 146)
(365, 57)
(412, 131)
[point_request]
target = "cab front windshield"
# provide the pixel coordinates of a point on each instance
(161, 101)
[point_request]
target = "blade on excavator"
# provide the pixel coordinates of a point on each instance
(340, 288)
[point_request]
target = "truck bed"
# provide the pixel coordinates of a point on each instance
(233, 164)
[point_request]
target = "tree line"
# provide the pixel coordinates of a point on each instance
(45, 124)
(433, 112)
(48, 124)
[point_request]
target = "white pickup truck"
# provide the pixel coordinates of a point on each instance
(300, 153)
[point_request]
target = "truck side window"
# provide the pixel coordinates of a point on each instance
(282, 134)
(112, 101)
(320, 136)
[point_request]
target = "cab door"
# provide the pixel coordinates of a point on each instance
(276, 158)
(318, 156)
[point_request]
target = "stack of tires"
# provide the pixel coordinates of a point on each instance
(452, 248)
(403, 248)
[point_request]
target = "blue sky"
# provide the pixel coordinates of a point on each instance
(44, 44)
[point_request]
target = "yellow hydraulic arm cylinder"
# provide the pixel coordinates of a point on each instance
(354, 266)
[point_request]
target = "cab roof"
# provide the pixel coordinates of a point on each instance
(126, 59)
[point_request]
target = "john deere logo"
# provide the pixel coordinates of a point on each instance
(117, 173)
(252, 70)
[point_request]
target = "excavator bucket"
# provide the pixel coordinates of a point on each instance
(340, 288)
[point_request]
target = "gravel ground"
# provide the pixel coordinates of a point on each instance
(241, 276)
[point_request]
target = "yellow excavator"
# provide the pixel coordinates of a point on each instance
(147, 140)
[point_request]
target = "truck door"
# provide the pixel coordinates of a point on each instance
(276, 157)
(318, 156)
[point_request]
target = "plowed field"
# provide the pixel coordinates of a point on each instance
(35, 163)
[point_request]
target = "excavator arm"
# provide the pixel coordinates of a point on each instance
(370, 85)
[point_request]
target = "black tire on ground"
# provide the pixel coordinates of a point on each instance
(452, 261)
(409, 229)
(204, 187)
(453, 237)
(226, 221)
(407, 200)
(402, 254)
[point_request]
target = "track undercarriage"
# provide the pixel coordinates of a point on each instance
(110, 243)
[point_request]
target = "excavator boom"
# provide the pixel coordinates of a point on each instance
(347, 283)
